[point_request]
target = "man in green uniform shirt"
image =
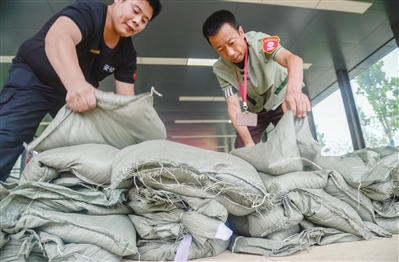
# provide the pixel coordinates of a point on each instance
(274, 75)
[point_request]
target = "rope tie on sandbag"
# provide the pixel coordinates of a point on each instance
(358, 196)
(155, 91)
(263, 201)
(311, 162)
(267, 257)
(235, 242)
(59, 249)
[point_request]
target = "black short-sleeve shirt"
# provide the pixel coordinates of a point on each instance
(96, 59)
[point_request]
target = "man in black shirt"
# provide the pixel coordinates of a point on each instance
(64, 62)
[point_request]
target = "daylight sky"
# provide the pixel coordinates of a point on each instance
(329, 115)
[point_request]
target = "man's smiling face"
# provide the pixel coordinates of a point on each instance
(130, 17)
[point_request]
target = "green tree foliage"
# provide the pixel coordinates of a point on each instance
(373, 139)
(383, 95)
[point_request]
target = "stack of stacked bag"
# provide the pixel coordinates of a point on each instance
(107, 185)
(323, 199)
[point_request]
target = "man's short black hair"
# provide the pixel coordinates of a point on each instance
(156, 8)
(215, 21)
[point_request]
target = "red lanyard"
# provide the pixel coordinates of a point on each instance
(243, 91)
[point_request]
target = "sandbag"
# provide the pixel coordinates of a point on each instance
(58, 251)
(280, 185)
(114, 233)
(117, 120)
(279, 218)
(295, 243)
(338, 188)
(239, 225)
(381, 171)
(351, 167)
(279, 154)
(159, 225)
(358, 173)
(388, 208)
(389, 224)
(193, 172)
(161, 250)
(379, 191)
(50, 197)
(325, 210)
(284, 234)
(178, 217)
(289, 148)
(91, 163)
(25, 247)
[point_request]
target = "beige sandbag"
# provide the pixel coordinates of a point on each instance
(117, 120)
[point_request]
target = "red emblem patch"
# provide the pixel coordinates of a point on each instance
(270, 44)
(134, 76)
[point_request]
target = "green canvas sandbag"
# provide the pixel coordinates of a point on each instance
(278, 218)
(239, 225)
(117, 120)
(297, 242)
(358, 173)
(114, 233)
(161, 250)
(279, 185)
(49, 197)
(325, 210)
(284, 234)
(58, 251)
(389, 224)
(337, 187)
(175, 224)
(388, 208)
(147, 200)
(380, 180)
(351, 167)
(379, 191)
(164, 216)
(279, 154)
(91, 163)
(387, 214)
(25, 247)
(159, 225)
(289, 148)
(193, 172)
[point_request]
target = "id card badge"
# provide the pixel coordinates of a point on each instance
(246, 119)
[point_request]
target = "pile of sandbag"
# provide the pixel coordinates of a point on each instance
(114, 189)
(86, 196)
(323, 199)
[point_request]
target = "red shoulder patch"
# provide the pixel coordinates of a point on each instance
(270, 44)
